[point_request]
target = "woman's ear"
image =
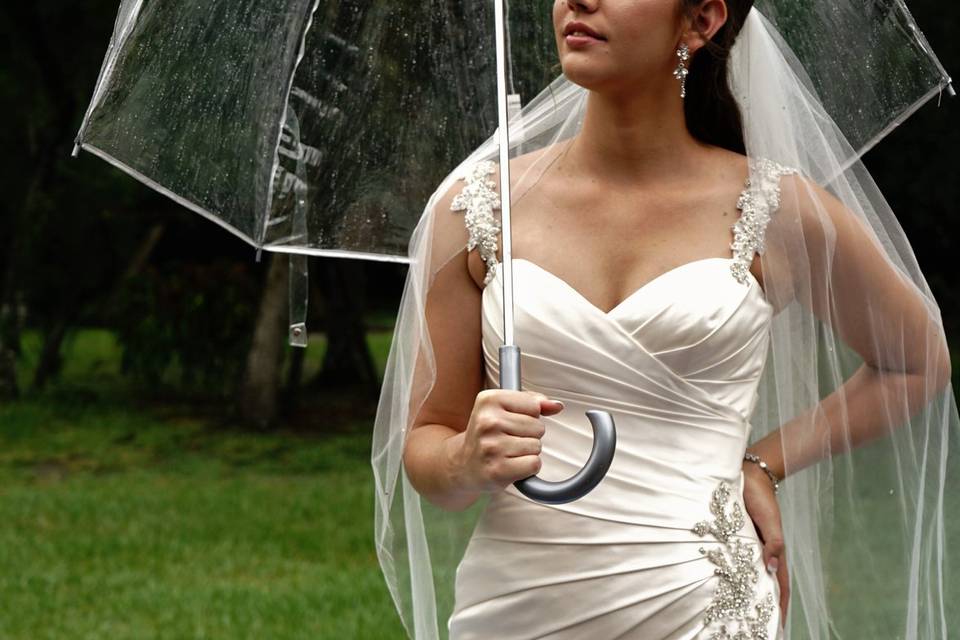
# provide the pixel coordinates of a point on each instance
(707, 19)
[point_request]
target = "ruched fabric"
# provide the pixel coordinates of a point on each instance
(677, 364)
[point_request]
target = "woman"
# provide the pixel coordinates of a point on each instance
(656, 263)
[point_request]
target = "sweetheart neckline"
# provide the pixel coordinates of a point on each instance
(636, 292)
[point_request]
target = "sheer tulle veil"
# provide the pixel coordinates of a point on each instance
(867, 528)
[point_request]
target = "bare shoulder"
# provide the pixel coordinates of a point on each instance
(452, 226)
(732, 169)
(522, 164)
(721, 174)
(523, 172)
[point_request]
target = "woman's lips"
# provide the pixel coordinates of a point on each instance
(578, 40)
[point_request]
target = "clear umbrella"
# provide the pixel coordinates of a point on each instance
(318, 128)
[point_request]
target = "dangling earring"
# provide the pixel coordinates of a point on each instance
(680, 73)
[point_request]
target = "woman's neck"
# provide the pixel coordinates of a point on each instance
(633, 140)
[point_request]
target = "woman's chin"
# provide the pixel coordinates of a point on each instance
(586, 77)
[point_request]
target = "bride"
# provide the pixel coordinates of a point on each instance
(711, 281)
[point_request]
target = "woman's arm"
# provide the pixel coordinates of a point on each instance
(878, 312)
(831, 263)
(453, 321)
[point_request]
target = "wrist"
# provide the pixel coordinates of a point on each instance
(456, 484)
(752, 463)
(452, 467)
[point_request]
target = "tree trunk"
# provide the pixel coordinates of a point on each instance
(50, 359)
(347, 361)
(9, 336)
(258, 393)
(8, 371)
(290, 398)
(31, 39)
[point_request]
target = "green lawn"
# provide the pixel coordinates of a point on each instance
(123, 520)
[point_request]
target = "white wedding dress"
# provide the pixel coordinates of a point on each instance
(662, 548)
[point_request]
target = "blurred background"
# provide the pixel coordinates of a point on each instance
(163, 474)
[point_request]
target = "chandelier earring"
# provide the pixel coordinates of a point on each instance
(680, 73)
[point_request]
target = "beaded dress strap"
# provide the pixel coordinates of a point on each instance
(757, 203)
(479, 198)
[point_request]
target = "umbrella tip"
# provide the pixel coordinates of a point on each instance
(950, 91)
(76, 150)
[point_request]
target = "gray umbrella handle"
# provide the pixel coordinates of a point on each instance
(604, 445)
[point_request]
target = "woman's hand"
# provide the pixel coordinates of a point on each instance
(501, 443)
(761, 504)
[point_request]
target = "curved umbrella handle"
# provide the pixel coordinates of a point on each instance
(604, 445)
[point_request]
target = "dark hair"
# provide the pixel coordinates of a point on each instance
(711, 111)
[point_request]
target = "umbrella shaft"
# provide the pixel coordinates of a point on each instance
(503, 140)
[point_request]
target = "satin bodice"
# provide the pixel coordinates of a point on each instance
(677, 363)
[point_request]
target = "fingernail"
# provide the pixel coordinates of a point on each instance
(559, 403)
(772, 565)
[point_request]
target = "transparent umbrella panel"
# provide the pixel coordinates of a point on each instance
(322, 127)
(385, 102)
(888, 68)
(189, 100)
(304, 126)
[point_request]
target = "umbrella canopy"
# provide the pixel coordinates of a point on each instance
(228, 107)
(301, 126)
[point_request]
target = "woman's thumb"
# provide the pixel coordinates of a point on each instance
(772, 564)
(549, 405)
(771, 553)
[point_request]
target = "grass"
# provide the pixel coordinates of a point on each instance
(125, 520)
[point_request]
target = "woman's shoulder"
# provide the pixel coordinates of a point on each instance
(490, 167)
(736, 163)
(477, 197)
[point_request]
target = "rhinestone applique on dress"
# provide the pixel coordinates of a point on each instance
(735, 595)
(756, 206)
(478, 198)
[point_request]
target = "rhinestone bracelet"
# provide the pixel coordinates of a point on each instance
(752, 457)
